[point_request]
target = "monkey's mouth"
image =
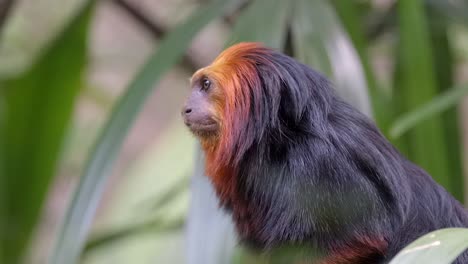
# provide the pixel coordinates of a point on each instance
(209, 128)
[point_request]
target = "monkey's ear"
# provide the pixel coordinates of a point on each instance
(293, 96)
(289, 110)
(281, 90)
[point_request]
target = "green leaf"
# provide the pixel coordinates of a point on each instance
(320, 41)
(80, 214)
(436, 106)
(381, 100)
(39, 106)
(3, 180)
(29, 30)
(263, 21)
(438, 247)
(416, 86)
(444, 63)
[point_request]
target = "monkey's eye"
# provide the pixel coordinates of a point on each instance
(206, 84)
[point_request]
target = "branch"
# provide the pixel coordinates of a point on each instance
(379, 23)
(156, 30)
(5, 6)
(231, 16)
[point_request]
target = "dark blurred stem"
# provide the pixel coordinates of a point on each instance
(5, 6)
(231, 17)
(157, 31)
(381, 23)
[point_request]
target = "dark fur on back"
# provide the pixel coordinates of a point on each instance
(318, 172)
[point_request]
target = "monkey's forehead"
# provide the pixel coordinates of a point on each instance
(232, 55)
(198, 75)
(219, 64)
(211, 71)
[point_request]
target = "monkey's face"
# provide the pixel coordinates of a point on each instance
(220, 109)
(202, 108)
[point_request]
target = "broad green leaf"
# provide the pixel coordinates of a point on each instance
(30, 27)
(438, 247)
(3, 189)
(308, 44)
(415, 86)
(39, 106)
(381, 100)
(83, 207)
(263, 21)
(436, 106)
(320, 41)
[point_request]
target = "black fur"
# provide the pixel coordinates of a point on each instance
(319, 173)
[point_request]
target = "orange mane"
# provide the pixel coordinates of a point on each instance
(234, 73)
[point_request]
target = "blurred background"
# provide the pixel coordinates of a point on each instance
(96, 165)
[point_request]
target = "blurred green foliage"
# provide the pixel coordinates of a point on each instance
(417, 112)
(73, 235)
(416, 84)
(38, 108)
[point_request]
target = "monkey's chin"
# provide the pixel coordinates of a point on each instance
(203, 130)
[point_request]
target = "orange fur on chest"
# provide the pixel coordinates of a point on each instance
(364, 251)
(221, 176)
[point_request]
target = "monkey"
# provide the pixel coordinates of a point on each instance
(297, 166)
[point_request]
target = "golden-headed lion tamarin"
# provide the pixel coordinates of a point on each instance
(297, 166)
